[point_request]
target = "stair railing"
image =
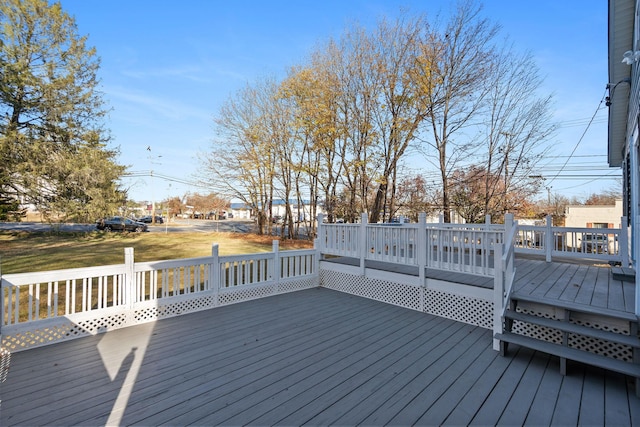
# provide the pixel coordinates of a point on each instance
(505, 271)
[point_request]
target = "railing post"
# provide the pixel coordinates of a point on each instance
(421, 251)
(316, 262)
(214, 273)
(623, 242)
(364, 220)
(321, 237)
(129, 277)
(276, 263)
(636, 249)
(548, 241)
(498, 291)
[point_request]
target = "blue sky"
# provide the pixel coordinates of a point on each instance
(168, 66)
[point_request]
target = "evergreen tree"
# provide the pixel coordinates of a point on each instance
(53, 147)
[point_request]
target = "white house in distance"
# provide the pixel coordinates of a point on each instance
(624, 106)
(300, 212)
(594, 216)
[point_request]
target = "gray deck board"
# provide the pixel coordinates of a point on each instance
(570, 291)
(592, 398)
(569, 397)
(556, 289)
(516, 411)
(543, 405)
(317, 357)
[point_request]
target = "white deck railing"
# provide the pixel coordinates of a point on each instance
(134, 292)
(90, 300)
(606, 244)
(456, 247)
(449, 246)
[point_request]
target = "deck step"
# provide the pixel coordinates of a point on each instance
(587, 331)
(575, 307)
(604, 362)
(623, 273)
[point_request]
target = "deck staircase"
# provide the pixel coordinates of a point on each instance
(591, 335)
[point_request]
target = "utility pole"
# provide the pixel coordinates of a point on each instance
(153, 200)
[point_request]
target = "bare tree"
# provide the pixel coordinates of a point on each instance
(518, 125)
(241, 161)
(456, 61)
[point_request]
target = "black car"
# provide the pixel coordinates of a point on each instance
(147, 219)
(119, 223)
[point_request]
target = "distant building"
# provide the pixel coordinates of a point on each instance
(240, 210)
(594, 216)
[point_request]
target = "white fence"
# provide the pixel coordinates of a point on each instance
(464, 248)
(46, 307)
(468, 247)
(606, 244)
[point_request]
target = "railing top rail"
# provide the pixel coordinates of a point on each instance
(172, 263)
(589, 230)
(57, 275)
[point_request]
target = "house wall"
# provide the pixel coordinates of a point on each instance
(587, 215)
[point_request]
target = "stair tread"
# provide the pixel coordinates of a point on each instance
(582, 308)
(578, 329)
(615, 365)
(623, 273)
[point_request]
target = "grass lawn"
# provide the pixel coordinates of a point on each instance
(22, 252)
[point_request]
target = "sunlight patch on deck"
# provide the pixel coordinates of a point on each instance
(124, 357)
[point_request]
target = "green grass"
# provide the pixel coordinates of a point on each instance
(23, 252)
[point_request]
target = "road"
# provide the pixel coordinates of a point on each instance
(174, 226)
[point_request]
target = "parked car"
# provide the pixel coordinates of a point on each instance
(147, 219)
(595, 243)
(119, 223)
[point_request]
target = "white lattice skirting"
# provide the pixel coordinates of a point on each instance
(44, 332)
(449, 304)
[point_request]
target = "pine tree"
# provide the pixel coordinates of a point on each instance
(53, 147)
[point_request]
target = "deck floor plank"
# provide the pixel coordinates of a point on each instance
(617, 413)
(615, 297)
(592, 398)
(447, 402)
(359, 407)
(349, 391)
(587, 287)
(199, 330)
(554, 290)
(544, 403)
(570, 291)
(601, 297)
(556, 278)
(311, 382)
(437, 363)
(165, 360)
(414, 412)
(518, 405)
(496, 401)
(629, 295)
(431, 357)
(530, 282)
(474, 399)
(566, 411)
(235, 381)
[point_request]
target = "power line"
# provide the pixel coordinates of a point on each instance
(582, 136)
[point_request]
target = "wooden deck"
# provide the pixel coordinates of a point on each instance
(576, 282)
(317, 357)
